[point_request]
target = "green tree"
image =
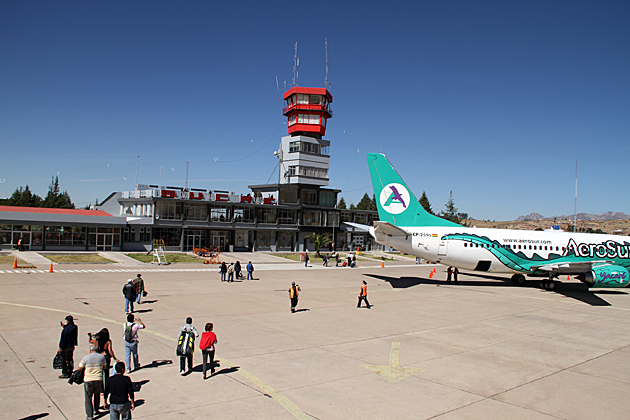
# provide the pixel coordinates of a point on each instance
(365, 203)
(23, 197)
(450, 213)
(424, 202)
(319, 240)
(373, 204)
(352, 207)
(342, 204)
(55, 198)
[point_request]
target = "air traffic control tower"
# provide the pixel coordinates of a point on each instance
(304, 155)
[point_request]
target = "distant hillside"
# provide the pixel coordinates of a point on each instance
(609, 215)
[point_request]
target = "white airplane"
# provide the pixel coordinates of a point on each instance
(596, 260)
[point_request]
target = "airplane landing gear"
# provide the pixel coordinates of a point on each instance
(548, 285)
(518, 279)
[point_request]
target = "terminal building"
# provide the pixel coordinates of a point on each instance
(271, 217)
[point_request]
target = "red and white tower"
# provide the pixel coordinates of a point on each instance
(304, 155)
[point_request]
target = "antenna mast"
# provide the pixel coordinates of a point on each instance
(575, 205)
(295, 65)
(186, 186)
(137, 164)
(326, 46)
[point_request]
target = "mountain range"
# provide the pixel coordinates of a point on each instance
(609, 215)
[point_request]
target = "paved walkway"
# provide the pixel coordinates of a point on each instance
(31, 257)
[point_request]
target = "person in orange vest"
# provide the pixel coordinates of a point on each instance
(293, 295)
(363, 295)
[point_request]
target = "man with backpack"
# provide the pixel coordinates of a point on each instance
(130, 335)
(186, 345)
(129, 291)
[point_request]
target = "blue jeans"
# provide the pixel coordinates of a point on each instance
(230, 277)
(138, 297)
(250, 274)
(120, 411)
(127, 304)
(222, 276)
(131, 348)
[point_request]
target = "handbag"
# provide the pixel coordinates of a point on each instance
(144, 293)
(58, 361)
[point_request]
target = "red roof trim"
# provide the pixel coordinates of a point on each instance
(46, 210)
(308, 91)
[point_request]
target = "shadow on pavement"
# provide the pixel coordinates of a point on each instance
(35, 416)
(577, 291)
(137, 385)
(157, 363)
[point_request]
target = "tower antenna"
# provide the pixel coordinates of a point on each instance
(137, 164)
(295, 65)
(575, 205)
(326, 46)
(186, 186)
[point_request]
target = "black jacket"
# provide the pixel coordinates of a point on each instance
(77, 377)
(129, 290)
(120, 388)
(69, 336)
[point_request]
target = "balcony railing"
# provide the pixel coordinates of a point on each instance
(308, 107)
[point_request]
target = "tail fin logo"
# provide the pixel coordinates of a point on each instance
(394, 198)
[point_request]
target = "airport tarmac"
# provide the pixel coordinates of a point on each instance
(426, 350)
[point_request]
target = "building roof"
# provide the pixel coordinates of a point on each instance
(46, 210)
(13, 215)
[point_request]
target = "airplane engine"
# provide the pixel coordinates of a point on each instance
(606, 276)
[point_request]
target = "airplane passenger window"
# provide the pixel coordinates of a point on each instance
(477, 245)
(545, 248)
(530, 247)
(535, 247)
(465, 244)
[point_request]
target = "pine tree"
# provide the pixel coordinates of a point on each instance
(365, 203)
(55, 199)
(424, 202)
(342, 204)
(352, 207)
(451, 211)
(23, 197)
(373, 204)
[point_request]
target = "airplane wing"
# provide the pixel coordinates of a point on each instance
(559, 267)
(386, 228)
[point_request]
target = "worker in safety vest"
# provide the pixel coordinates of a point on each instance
(293, 295)
(363, 295)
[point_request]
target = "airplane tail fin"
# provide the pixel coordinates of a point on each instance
(395, 202)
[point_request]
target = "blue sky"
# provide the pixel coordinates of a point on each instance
(493, 100)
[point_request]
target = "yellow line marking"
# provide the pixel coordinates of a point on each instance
(266, 388)
(393, 372)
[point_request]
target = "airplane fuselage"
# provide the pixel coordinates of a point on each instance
(507, 250)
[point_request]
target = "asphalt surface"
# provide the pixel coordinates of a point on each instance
(482, 348)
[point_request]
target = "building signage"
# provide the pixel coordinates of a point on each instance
(210, 196)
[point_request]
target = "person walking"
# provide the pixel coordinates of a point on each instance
(69, 339)
(455, 274)
(350, 259)
(250, 271)
(93, 365)
(337, 259)
(237, 270)
(363, 295)
(230, 272)
(294, 295)
(184, 357)
(223, 270)
(140, 288)
(325, 259)
(119, 389)
(129, 291)
(449, 274)
(103, 343)
(206, 344)
(306, 259)
(130, 329)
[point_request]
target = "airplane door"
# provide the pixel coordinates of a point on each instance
(442, 247)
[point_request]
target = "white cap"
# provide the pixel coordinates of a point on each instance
(130, 280)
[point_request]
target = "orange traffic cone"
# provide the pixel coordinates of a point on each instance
(383, 264)
(15, 263)
(51, 268)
